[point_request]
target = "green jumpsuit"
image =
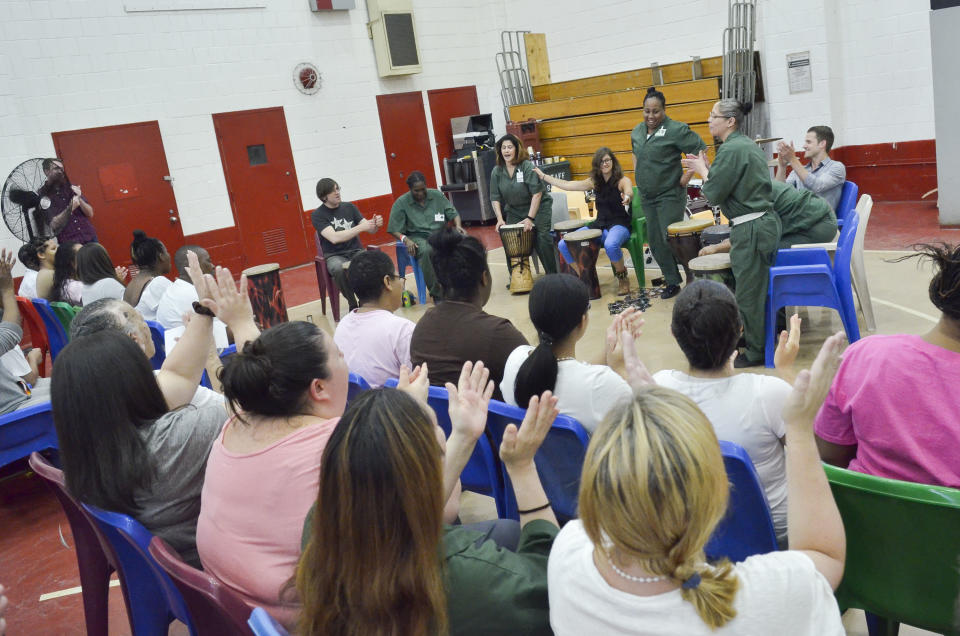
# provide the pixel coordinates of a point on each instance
(657, 176)
(514, 195)
(739, 182)
(804, 216)
(418, 221)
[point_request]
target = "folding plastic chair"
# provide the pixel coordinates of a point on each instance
(404, 260)
(34, 330)
(153, 600)
(95, 568)
(55, 333)
(806, 278)
(215, 608)
(902, 547)
(65, 313)
(25, 431)
(638, 237)
(325, 282)
(159, 344)
(747, 528)
(848, 200)
(356, 386)
(263, 624)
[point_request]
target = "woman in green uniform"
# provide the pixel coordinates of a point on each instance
(658, 142)
(739, 182)
(519, 196)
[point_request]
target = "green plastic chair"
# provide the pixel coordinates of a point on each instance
(637, 238)
(903, 540)
(65, 313)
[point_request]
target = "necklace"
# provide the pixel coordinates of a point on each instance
(630, 577)
(565, 358)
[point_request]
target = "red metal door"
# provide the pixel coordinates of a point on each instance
(445, 104)
(123, 173)
(405, 139)
(262, 183)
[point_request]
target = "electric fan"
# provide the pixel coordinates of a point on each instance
(20, 203)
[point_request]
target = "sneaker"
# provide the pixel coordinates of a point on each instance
(670, 291)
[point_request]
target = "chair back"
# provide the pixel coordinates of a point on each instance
(747, 528)
(841, 261)
(64, 313)
(357, 385)
(229, 350)
(152, 599)
(316, 241)
(848, 201)
(560, 211)
(215, 608)
(55, 333)
(864, 207)
(263, 624)
(92, 562)
(26, 430)
(159, 344)
(33, 326)
(559, 460)
(902, 548)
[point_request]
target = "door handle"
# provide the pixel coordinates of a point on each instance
(173, 216)
(393, 155)
(173, 219)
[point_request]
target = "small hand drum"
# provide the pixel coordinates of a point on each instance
(560, 229)
(584, 246)
(518, 246)
(714, 267)
(683, 237)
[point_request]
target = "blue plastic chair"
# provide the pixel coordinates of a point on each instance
(228, 351)
(55, 333)
(482, 474)
(747, 528)
(26, 430)
(263, 624)
(357, 386)
(152, 598)
(805, 277)
(159, 344)
(403, 259)
(847, 203)
(559, 460)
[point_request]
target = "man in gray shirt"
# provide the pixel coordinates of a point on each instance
(822, 175)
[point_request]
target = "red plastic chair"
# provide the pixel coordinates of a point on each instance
(215, 609)
(95, 568)
(325, 282)
(34, 330)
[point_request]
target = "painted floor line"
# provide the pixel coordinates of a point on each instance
(912, 312)
(70, 591)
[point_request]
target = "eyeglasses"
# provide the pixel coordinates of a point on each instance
(607, 160)
(714, 115)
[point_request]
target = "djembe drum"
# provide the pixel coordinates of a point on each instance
(714, 267)
(714, 235)
(584, 246)
(561, 229)
(266, 294)
(518, 246)
(683, 237)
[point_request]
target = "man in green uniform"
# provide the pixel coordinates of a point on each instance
(657, 143)
(414, 217)
(739, 182)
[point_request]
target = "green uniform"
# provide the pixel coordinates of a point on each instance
(514, 195)
(804, 216)
(418, 221)
(658, 179)
(739, 182)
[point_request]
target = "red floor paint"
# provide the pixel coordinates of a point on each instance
(896, 225)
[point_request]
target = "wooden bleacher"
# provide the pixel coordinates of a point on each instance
(579, 116)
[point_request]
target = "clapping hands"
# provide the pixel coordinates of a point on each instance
(811, 387)
(415, 382)
(469, 401)
(520, 445)
(629, 321)
(785, 153)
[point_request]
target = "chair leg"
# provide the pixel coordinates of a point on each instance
(636, 255)
(536, 263)
(334, 301)
(769, 329)
(322, 286)
(863, 291)
(95, 581)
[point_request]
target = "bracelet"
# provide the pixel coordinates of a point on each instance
(403, 237)
(532, 510)
(532, 219)
(203, 311)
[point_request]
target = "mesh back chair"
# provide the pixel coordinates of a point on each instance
(747, 528)
(34, 330)
(215, 609)
(95, 568)
(263, 624)
(55, 333)
(902, 549)
(153, 601)
(25, 431)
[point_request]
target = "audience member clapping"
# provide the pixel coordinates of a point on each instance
(147, 287)
(179, 297)
(14, 391)
(97, 273)
(64, 286)
(374, 342)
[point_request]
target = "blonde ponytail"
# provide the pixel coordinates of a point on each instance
(711, 590)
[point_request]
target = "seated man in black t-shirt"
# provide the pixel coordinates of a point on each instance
(338, 223)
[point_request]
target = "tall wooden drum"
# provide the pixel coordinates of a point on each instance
(266, 294)
(518, 246)
(561, 229)
(714, 267)
(584, 246)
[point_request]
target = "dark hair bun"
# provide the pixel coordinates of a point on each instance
(139, 235)
(652, 90)
(747, 107)
(445, 241)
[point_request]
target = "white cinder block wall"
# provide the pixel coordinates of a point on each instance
(88, 63)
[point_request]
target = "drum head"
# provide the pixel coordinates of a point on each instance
(714, 234)
(572, 224)
(583, 235)
(512, 226)
(261, 269)
(689, 226)
(710, 263)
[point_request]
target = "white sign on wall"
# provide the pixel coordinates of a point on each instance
(798, 72)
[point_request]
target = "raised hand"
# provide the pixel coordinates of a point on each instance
(630, 321)
(121, 272)
(811, 387)
(225, 299)
(520, 445)
(469, 400)
(636, 371)
(7, 260)
(415, 382)
(788, 345)
(786, 152)
(196, 276)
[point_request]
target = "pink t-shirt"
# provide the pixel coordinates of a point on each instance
(375, 344)
(897, 399)
(252, 509)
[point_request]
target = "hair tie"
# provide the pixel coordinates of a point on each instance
(545, 338)
(692, 582)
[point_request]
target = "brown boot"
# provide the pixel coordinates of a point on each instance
(623, 282)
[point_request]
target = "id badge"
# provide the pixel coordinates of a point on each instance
(519, 176)
(662, 131)
(438, 217)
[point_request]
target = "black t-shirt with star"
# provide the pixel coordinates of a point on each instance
(343, 217)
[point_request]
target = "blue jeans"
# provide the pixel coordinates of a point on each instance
(613, 238)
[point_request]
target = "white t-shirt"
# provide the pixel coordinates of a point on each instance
(780, 593)
(103, 288)
(745, 409)
(177, 300)
(375, 344)
(151, 295)
(28, 286)
(585, 392)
